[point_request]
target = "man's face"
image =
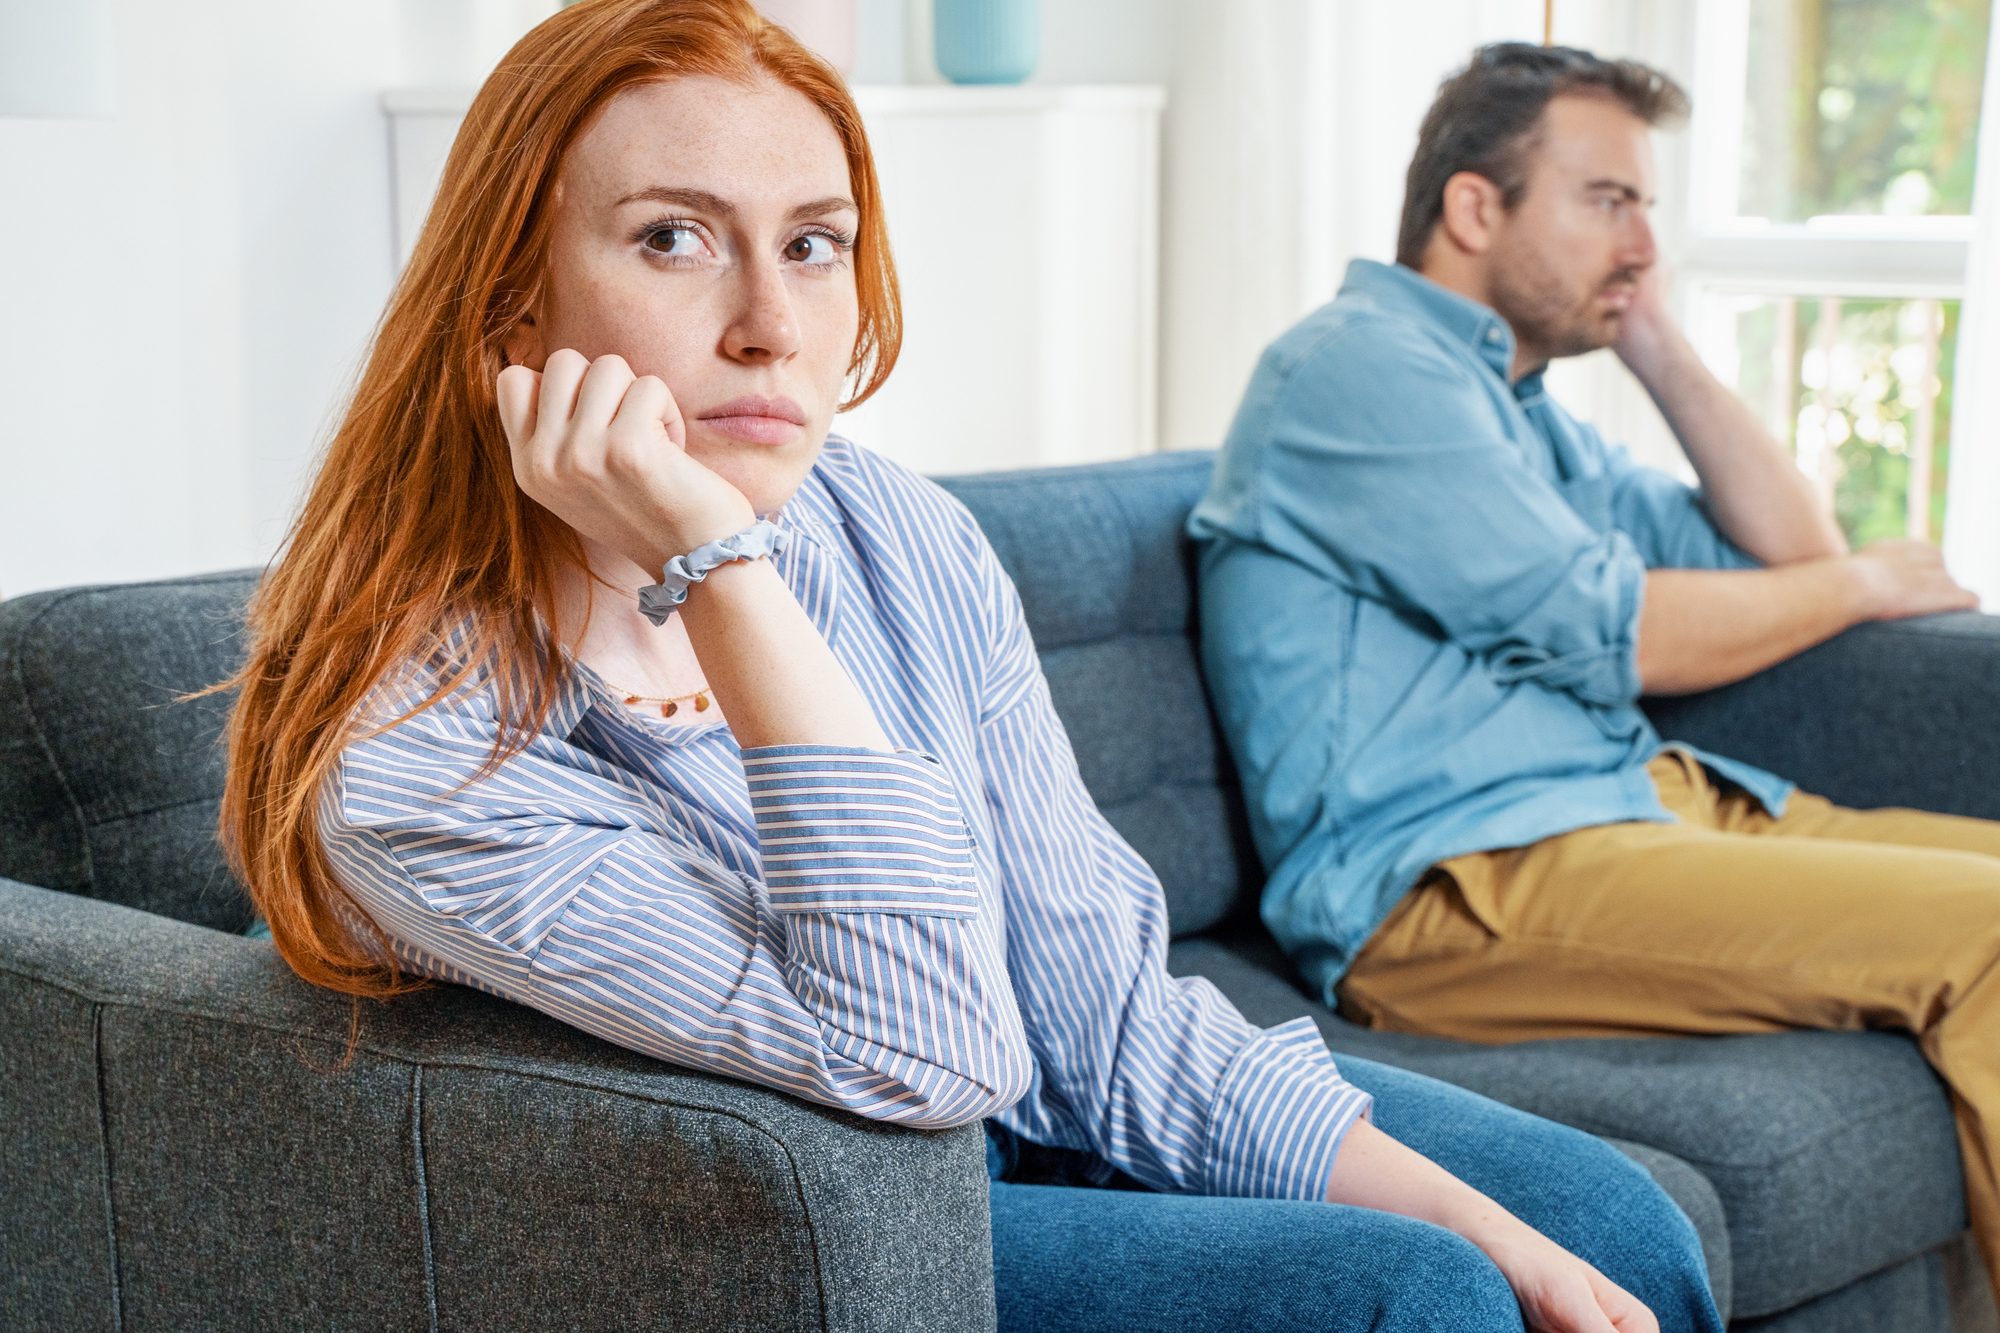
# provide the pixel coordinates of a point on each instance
(1565, 263)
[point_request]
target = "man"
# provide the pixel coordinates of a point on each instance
(1431, 600)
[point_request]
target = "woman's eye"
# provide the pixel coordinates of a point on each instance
(812, 248)
(675, 241)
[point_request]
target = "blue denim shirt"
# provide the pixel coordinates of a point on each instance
(1420, 591)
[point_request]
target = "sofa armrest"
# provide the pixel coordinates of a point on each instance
(1902, 712)
(190, 1142)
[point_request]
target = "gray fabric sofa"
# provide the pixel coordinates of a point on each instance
(187, 1147)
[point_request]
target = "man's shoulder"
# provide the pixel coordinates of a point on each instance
(1364, 371)
(1358, 340)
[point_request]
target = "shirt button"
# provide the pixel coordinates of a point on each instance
(1493, 335)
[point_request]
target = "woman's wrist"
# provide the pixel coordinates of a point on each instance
(684, 534)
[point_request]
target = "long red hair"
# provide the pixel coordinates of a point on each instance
(414, 520)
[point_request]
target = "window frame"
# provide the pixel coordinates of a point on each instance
(1939, 258)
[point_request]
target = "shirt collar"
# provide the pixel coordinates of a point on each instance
(813, 513)
(1409, 293)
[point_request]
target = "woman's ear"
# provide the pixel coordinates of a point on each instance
(523, 346)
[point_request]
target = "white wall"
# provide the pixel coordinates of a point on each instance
(186, 286)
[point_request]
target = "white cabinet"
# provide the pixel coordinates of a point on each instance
(1025, 224)
(422, 124)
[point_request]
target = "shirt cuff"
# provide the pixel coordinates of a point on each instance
(1280, 1115)
(852, 830)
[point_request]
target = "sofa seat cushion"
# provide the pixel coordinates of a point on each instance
(1833, 1153)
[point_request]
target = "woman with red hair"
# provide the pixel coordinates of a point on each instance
(597, 674)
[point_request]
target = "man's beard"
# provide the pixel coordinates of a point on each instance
(1544, 310)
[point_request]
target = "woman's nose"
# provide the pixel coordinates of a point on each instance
(765, 327)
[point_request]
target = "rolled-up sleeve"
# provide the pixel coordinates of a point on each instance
(844, 830)
(1281, 1111)
(1421, 502)
(861, 971)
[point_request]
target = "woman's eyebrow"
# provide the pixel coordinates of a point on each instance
(703, 201)
(668, 194)
(833, 203)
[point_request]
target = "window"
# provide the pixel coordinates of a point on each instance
(1834, 154)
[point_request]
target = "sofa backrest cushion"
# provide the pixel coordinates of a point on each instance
(1106, 578)
(108, 785)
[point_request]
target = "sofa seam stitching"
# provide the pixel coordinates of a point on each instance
(155, 810)
(42, 736)
(423, 1192)
(755, 1126)
(104, 1159)
(812, 1226)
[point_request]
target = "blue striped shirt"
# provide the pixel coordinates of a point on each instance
(927, 937)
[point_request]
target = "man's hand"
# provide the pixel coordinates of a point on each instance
(1907, 578)
(1646, 332)
(1700, 628)
(1749, 482)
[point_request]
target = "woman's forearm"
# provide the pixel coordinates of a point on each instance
(1375, 1171)
(1558, 1292)
(776, 678)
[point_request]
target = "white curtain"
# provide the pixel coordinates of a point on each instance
(1972, 507)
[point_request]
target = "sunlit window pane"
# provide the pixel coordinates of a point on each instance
(1861, 391)
(1861, 106)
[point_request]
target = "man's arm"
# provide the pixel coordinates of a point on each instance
(1699, 629)
(1752, 488)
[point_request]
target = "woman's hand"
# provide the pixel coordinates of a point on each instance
(602, 449)
(1558, 1292)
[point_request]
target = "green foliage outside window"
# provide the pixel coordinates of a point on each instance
(1862, 106)
(1859, 107)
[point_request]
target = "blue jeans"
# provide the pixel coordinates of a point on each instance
(1071, 1256)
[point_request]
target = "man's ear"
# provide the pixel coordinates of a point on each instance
(1473, 210)
(523, 346)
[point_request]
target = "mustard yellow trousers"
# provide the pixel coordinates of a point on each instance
(1729, 921)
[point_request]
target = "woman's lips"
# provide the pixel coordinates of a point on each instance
(756, 419)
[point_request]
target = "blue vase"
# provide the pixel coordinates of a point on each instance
(987, 41)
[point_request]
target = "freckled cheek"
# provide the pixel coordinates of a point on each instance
(656, 333)
(828, 328)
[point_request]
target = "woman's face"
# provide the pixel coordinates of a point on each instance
(704, 231)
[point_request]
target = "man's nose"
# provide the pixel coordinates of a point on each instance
(1637, 248)
(764, 328)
